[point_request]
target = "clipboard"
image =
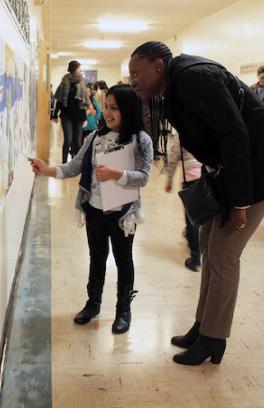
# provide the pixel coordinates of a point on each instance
(113, 194)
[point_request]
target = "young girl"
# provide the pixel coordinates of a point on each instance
(123, 119)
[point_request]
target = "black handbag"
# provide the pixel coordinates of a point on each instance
(203, 198)
(200, 198)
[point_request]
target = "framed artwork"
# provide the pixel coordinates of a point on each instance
(90, 76)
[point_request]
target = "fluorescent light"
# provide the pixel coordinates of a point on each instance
(103, 44)
(122, 26)
(64, 53)
(54, 56)
(87, 61)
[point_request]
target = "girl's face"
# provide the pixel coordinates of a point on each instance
(89, 92)
(112, 114)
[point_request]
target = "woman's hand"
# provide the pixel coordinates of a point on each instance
(40, 167)
(238, 218)
(105, 173)
(168, 188)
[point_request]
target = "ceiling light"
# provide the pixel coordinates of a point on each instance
(64, 53)
(54, 55)
(87, 61)
(103, 44)
(122, 26)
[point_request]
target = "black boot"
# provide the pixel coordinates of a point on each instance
(125, 295)
(93, 304)
(188, 339)
(203, 348)
(192, 264)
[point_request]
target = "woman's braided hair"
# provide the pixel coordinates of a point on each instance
(159, 127)
(152, 50)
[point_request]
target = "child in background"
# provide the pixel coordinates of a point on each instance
(123, 124)
(192, 173)
(94, 114)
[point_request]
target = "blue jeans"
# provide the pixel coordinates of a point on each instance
(72, 132)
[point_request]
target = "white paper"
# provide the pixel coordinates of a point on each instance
(113, 194)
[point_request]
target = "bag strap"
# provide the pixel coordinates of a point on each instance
(241, 94)
(183, 167)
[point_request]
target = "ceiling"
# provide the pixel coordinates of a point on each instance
(72, 23)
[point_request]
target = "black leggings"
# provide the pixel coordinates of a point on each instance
(100, 227)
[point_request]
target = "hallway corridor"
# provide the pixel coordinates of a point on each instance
(52, 362)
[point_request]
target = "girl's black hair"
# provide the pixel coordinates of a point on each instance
(100, 85)
(131, 113)
(152, 50)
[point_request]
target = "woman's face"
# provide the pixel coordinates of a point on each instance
(112, 114)
(147, 78)
(77, 71)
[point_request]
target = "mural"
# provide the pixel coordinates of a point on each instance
(14, 116)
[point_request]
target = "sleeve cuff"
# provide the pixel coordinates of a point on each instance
(123, 179)
(59, 173)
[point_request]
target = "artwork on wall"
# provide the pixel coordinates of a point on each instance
(14, 116)
(90, 76)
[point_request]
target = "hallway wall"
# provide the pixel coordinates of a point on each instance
(14, 205)
(233, 36)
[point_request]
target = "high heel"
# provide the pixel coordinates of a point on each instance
(217, 357)
(188, 339)
(203, 348)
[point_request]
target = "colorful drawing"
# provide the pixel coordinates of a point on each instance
(14, 116)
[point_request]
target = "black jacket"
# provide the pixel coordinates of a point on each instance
(202, 103)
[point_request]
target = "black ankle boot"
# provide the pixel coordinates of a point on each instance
(93, 304)
(122, 322)
(188, 339)
(192, 264)
(203, 348)
(125, 295)
(90, 310)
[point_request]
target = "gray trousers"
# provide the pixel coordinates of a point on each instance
(221, 249)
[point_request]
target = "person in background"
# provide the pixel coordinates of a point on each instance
(94, 114)
(72, 102)
(220, 121)
(258, 88)
(192, 173)
(123, 124)
(101, 89)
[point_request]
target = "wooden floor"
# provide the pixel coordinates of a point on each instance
(91, 368)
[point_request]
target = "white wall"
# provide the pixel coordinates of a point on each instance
(233, 36)
(109, 75)
(13, 215)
